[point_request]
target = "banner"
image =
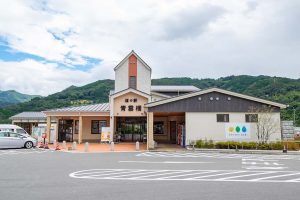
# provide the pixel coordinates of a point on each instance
(237, 131)
(105, 134)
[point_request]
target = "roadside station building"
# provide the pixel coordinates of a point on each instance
(138, 111)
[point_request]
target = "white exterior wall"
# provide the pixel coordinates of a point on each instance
(121, 77)
(143, 78)
(205, 126)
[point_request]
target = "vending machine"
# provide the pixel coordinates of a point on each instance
(181, 135)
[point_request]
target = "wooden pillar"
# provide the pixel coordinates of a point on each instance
(56, 129)
(48, 129)
(80, 130)
(150, 141)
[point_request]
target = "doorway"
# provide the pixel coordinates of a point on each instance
(131, 129)
(65, 130)
(173, 132)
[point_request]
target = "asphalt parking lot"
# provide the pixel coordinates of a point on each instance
(46, 174)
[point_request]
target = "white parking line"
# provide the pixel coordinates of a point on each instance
(189, 175)
(246, 175)
(220, 174)
(270, 177)
(23, 151)
(163, 162)
(218, 155)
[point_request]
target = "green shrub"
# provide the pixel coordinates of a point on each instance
(208, 144)
(221, 145)
(199, 144)
(276, 146)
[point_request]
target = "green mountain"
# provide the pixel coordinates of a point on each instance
(11, 97)
(283, 90)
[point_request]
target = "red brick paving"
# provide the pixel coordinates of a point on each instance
(96, 147)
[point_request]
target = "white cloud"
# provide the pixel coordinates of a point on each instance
(176, 38)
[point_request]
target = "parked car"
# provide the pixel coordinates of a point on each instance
(16, 140)
(12, 128)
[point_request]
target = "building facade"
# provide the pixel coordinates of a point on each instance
(137, 111)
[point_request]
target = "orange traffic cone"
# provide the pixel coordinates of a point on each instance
(57, 148)
(46, 146)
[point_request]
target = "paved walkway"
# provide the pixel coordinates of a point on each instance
(96, 147)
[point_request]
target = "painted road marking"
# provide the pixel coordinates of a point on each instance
(189, 175)
(217, 155)
(255, 174)
(270, 177)
(262, 164)
(162, 162)
(23, 152)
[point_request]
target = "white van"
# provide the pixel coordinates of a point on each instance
(12, 128)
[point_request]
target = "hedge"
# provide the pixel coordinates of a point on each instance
(210, 144)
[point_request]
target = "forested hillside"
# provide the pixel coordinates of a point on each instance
(283, 90)
(11, 97)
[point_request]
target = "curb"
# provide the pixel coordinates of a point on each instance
(239, 151)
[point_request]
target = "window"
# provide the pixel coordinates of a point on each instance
(97, 126)
(11, 134)
(158, 128)
(135, 100)
(21, 131)
(126, 100)
(130, 108)
(138, 108)
(251, 117)
(3, 134)
(222, 117)
(132, 82)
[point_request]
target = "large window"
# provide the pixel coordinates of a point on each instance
(251, 117)
(158, 128)
(97, 126)
(222, 117)
(132, 82)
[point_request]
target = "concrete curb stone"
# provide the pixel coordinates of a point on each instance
(239, 151)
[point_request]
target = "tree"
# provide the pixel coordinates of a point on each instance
(266, 124)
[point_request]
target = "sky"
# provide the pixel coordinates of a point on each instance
(47, 46)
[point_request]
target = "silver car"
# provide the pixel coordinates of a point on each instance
(16, 140)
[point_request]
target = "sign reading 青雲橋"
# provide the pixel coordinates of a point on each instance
(237, 131)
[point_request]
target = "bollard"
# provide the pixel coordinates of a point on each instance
(64, 145)
(137, 146)
(284, 149)
(112, 146)
(86, 147)
(54, 144)
(74, 145)
(46, 145)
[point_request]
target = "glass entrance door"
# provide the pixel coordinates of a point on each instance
(131, 128)
(65, 130)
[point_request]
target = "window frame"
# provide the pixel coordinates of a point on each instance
(249, 119)
(99, 128)
(132, 78)
(224, 119)
(162, 124)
